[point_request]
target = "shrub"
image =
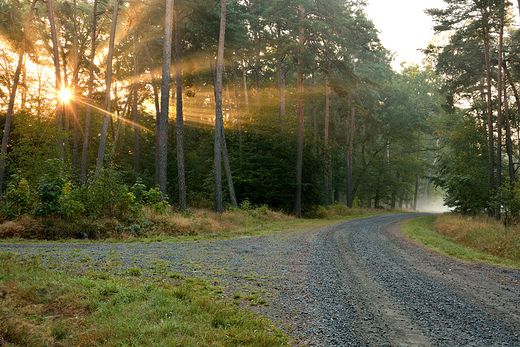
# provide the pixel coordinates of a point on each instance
(105, 196)
(71, 208)
(18, 199)
(50, 187)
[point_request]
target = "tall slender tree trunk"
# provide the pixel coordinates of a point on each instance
(121, 118)
(66, 107)
(108, 100)
(281, 85)
(12, 96)
(134, 109)
(154, 81)
(315, 117)
(491, 168)
(299, 133)
(75, 142)
(180, 116)
(86, 133)
(239, 115)
(161, 131)
(350, 154)
(328, 158)
(509, 143)
(246, 94)
(58, 86)
(499, 115)
(219, 207)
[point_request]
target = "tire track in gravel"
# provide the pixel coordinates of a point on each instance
(356, 283)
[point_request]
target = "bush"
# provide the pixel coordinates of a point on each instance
(18, 199)
(50, 187)
(71, 208)
(104, 195)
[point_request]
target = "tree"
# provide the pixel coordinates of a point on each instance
(219, 125)
(161, 131)
(108, 86)
(12, 95)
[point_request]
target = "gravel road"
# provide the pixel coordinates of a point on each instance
(357, 283)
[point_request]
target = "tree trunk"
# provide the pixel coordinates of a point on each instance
(90, 92)
(350, 153)
(134, 109)
(416, 193)
(239, 115)
(161, 131)
(108, 101)
(75, 142)
(491, 179)
(154, 81)
(121, 117)
(300, 130)
(66, 105)
(281, 85)
(509, 143)
(328, 158)
(180, 116)
(499, 115)
(218, 111)
(56, 57)
(246, 94)
(12, 97)
(315, 117)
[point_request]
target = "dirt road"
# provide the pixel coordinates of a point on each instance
(357, 283)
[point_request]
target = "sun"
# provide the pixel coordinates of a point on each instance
(64, 95)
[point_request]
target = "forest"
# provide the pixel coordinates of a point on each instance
(106, 104)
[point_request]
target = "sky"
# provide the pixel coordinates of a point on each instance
(403, 26)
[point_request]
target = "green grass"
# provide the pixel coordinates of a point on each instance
(41, 307)
(422, 231)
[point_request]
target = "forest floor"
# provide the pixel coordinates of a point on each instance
(359, 282)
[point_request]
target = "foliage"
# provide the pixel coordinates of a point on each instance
(105, 196)
(18, 199)
(508, 197)
(50, 188)
(462, 170)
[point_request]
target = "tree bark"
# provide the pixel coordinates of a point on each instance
(134, 109)
(509, 143)
(219, 207)
(108, 101)
(180, 116)
(154, 81)
(161, 131)
(12, 97)
(328, 158)
(491, 179)
(239, 115)
(350, 153)
(300, 130)
(58, 86)
(499, 114)
(281, 85)
(246, 94)
(86, 133)
(75, 142)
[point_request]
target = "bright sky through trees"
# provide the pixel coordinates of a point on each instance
(404, 27)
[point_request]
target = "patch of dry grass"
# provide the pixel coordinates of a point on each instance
(482, 233)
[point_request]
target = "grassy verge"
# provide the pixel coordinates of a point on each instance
(468, 239)
(197, 224)
(44, 308)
